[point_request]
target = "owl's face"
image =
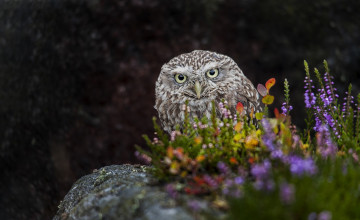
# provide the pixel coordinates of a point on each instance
(199, 77)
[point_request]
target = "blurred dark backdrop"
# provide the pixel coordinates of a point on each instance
(77, 77)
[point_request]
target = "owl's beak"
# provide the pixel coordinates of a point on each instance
(197, 89)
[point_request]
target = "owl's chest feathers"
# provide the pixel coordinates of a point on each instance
(200, 109)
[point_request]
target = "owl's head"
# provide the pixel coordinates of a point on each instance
(199, 77)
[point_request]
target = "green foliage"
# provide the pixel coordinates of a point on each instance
(286, 91)
(335, 190)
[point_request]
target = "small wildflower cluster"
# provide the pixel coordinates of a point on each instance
(286, 107)
(246, 163)
(325, 103)
(325, 109)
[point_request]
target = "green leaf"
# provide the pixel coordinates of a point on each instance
(259, 115)
(268, 99)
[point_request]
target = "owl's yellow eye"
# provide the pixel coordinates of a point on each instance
(180, 78)
(212, 73)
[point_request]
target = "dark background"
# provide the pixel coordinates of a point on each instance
(77, 77)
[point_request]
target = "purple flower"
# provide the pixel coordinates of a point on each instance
(261, 171)
(300, 166)
(211, 182)
(277, 154)
(239, 180)
(174, 134)
(325, 145)
(327, 96)
(231, 187)
(237, 193)
(171, 190)
(143, 157)
(194, 205)
(228, 183)
(309, 95)
(223, 168)
(327, 100)
(346, 104)
(296, 139)
(285, 108)
(318, 123)
(269, 140)
(312, 216)
(307, 100)
(287, 193)
(324, 215)
(269, 137)
(223, 110)
(267, 185)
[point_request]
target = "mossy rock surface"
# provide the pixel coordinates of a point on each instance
(126, 192)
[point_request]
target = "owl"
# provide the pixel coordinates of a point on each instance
(201, 77)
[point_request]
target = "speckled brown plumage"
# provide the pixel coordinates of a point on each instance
(230, 84)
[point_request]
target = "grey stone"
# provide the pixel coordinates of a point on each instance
(126, 192)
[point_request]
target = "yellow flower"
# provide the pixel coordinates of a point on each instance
(198, 140)
(304, 146)
(237, 137)
(183, 174)
(221, 204)
(251, 141)
(174, 167)
(200, 158)
(258, 133)
(238, 127)
(340, 153)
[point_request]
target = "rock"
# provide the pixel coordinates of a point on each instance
(126, 192)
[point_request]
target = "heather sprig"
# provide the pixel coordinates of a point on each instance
(323, 107)
(286, 107)
(357, 126)
(310, 101)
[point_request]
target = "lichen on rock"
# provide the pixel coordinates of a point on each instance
(123, 192)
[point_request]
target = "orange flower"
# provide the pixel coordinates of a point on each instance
(170, 152)
(238, 127)
(276, 113)
(233, 160)
(251, 160)
(200, 158)
(179, 153)
(239, 108)
(270, 83)
(252, 113)
(200, 181)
